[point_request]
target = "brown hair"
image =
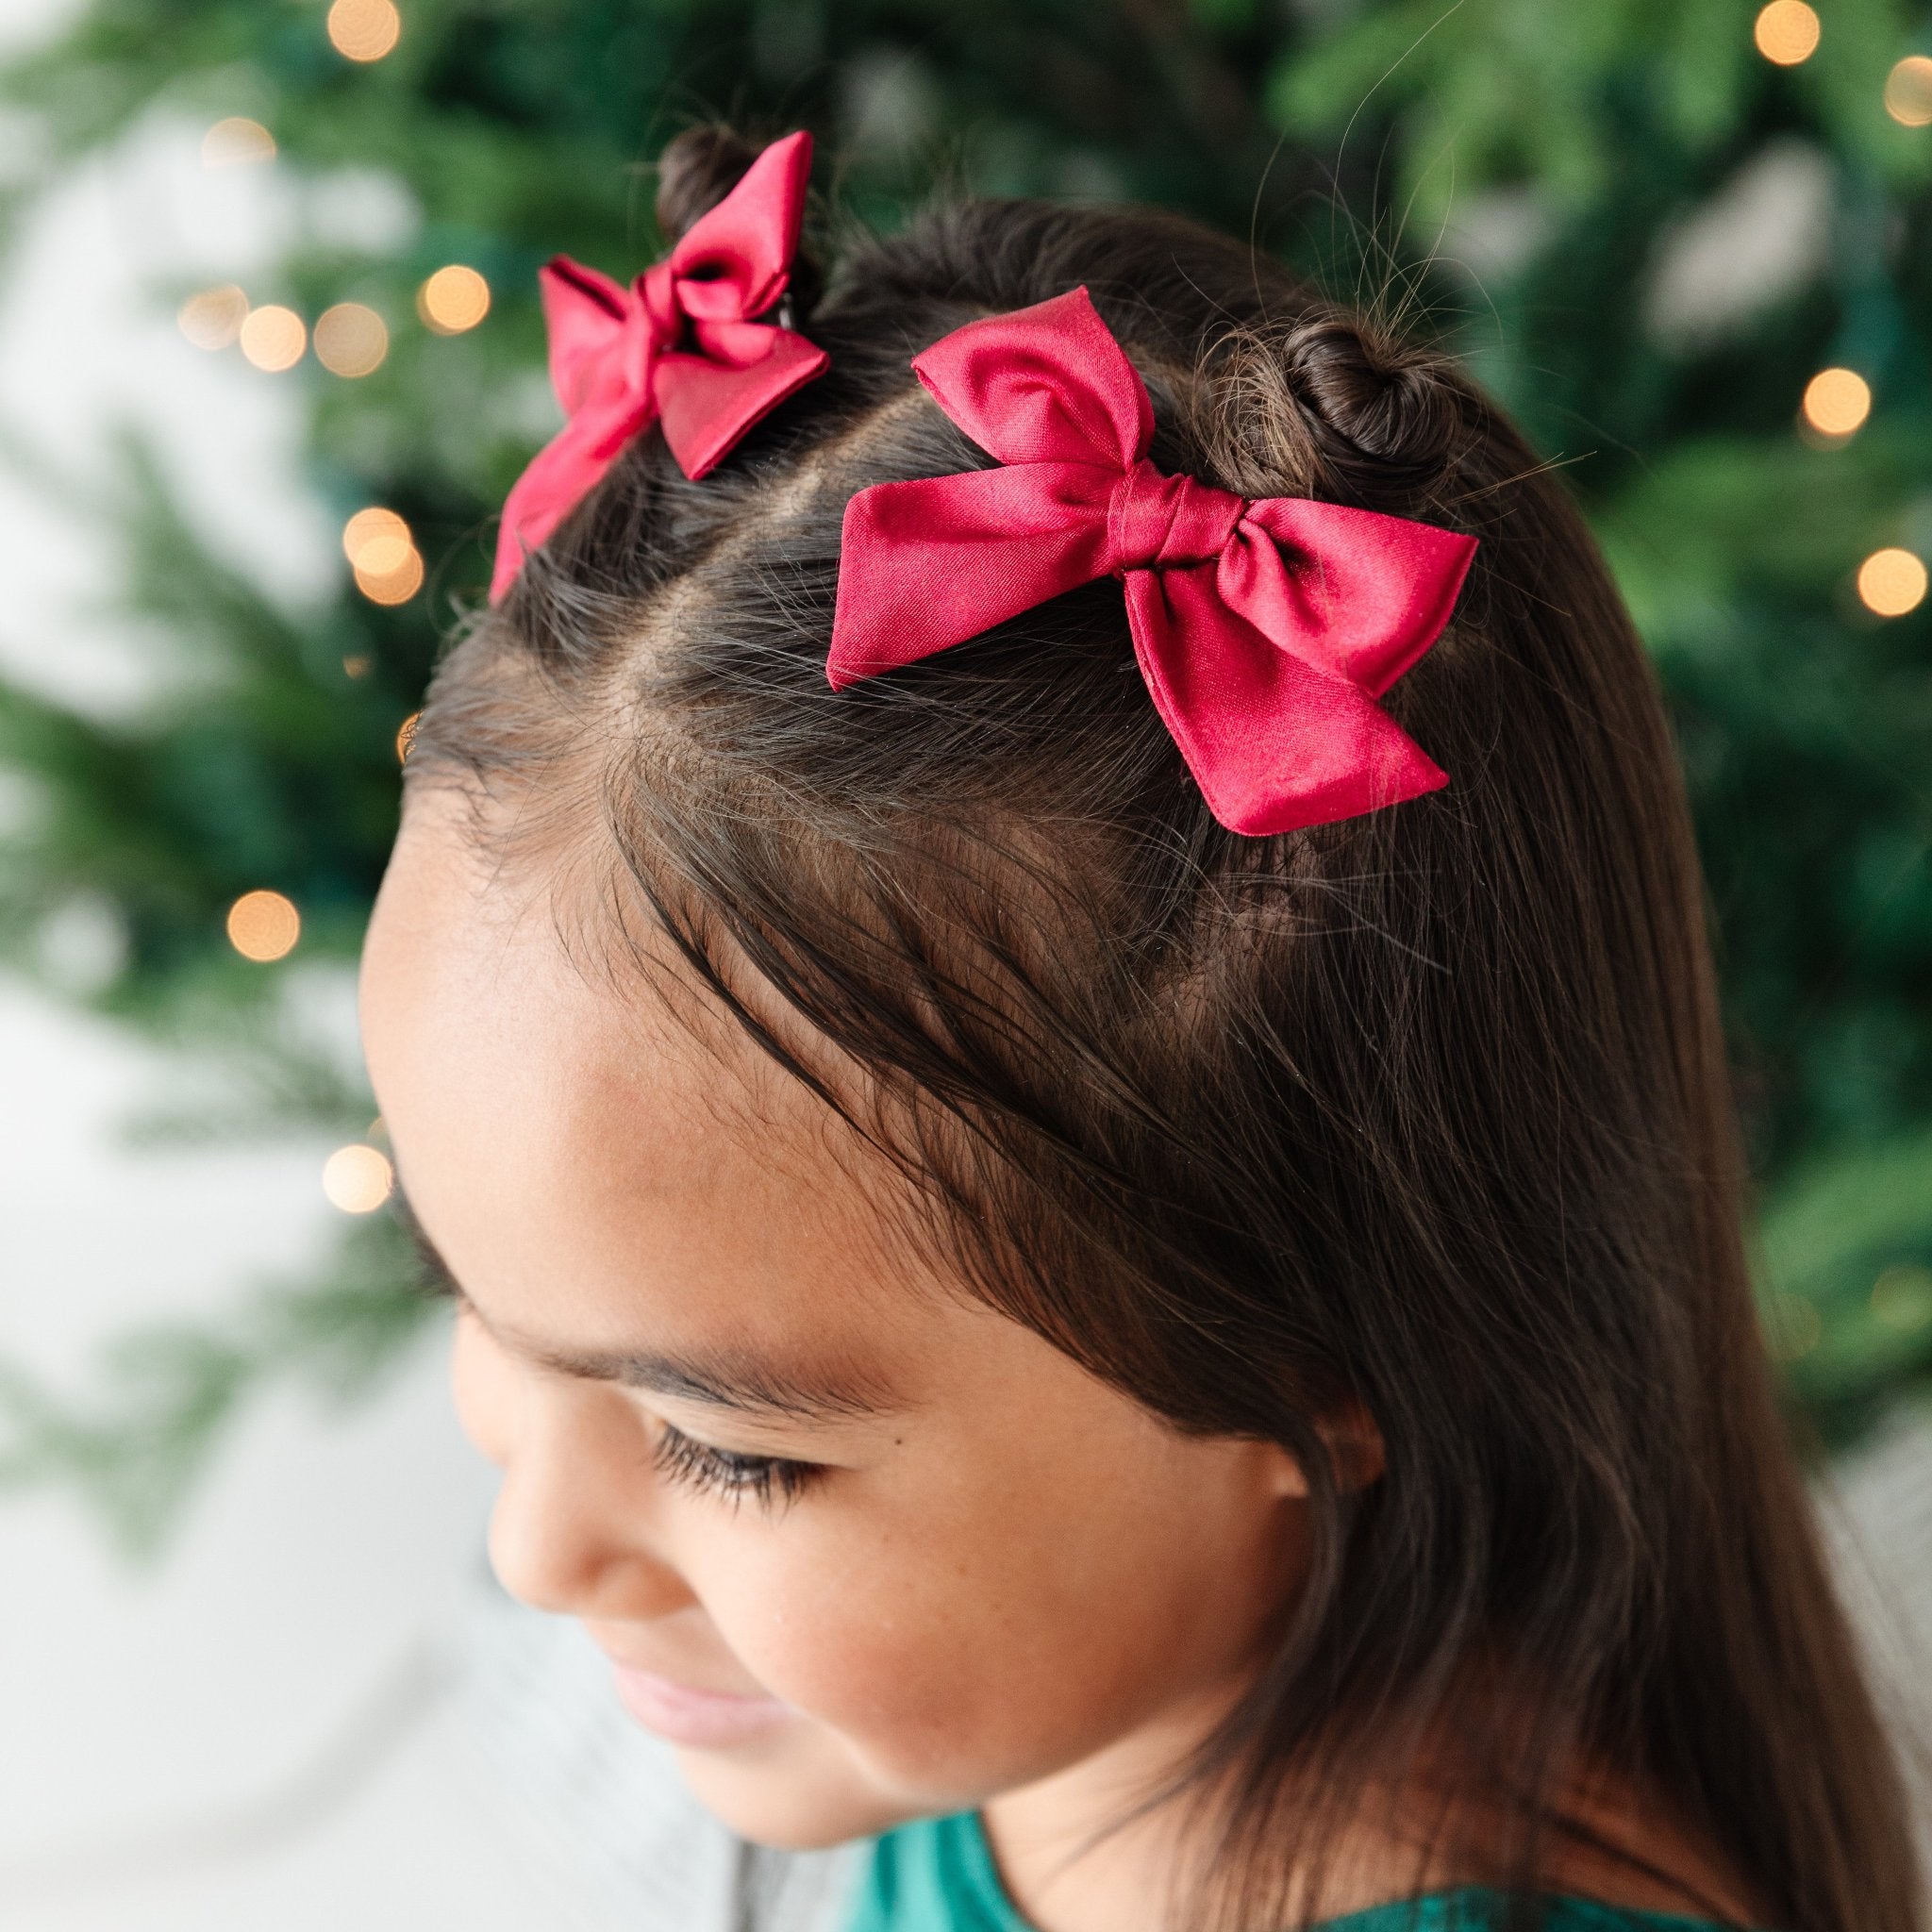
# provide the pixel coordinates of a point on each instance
(1425, 1110)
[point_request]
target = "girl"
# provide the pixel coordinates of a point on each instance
(1051, 1016)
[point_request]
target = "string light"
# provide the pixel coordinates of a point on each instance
(213, 319)
(350, 339)
(358, 1178)
(395, 584)
(1787, 32)
(1902, 1297)
(363, 29)
(235, 142)
(453, 299)
(383, 554)
(1837, 401)
(273, 338)
(1908, 91)
(376, 538)
(405, 736)
(1890, 582)
(263, 927)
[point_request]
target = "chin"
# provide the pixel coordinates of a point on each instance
(792, 1802)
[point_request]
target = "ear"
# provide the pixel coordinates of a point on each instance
(1354, 1447)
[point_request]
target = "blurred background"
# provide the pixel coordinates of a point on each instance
(270, 357)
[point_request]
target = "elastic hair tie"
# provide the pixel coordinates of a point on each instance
(684, 345)
(1266, 630)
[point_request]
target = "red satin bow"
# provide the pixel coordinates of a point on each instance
(1265, 630)
(681, 346)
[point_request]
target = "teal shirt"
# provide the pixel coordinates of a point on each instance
(938, 1876)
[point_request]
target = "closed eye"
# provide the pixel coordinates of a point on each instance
(706, 1470)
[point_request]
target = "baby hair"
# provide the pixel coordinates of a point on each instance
(1423, 1113)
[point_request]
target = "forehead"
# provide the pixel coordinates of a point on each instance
(584, 1157)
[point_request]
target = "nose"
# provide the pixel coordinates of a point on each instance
(572, 1532)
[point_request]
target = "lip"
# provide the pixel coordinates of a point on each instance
(704, 1720)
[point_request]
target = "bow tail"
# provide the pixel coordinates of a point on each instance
(707, 402)
(1375, 591)
(559, 477)
(1275, 741)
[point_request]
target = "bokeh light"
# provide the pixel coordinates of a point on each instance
(405, 736)
(383, 554)
(273, 338)
(1787, 32)
(389, 580)
(1908, 91)
(357, 665)
(1837, 401)
(213, 319)
(453, 299)
(235, 142)
(357, 1179)
(1890, 582)
(263, 927)
(377, 537)
(363, 29)
(350, 339)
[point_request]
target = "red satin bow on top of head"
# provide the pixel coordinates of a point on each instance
(682, 345)
(1265, 630)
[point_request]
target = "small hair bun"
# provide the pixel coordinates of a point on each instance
(1381, 416)
(697, 171)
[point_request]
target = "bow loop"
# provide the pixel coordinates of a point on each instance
(594, 328)
(685, 344)
(1265, 631)
(1047, 385)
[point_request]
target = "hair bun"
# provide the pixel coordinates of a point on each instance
(697, 171)
(1381, 415)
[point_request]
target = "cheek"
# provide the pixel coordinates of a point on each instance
(965, 1648)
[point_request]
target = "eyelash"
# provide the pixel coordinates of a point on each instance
(699, 1467)
(726, 1472)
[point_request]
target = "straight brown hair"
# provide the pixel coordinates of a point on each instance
(1425, 1111)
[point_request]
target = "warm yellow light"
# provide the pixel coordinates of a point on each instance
(1837, 401)
(363, 29)
(235, 142)
(371, 526)
(273, 338)
(1787, 32)
(263, 927)
(213, 319)
(357, 664)
(357, 1179)
(453, 299)
(1892, 582)
(350, 339)
(1902, 1297)
(1908, 91)
(396, 583)
(405, 736)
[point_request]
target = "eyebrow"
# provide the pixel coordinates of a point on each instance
(730, 1378)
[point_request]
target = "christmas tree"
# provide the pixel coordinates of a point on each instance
(1686, 246)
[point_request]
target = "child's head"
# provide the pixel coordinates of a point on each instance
(966, 1246)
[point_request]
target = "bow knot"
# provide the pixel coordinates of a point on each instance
(685, 344)
(1158, 521)
(1265, 630)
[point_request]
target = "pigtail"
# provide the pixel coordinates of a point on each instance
(1330, 407)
